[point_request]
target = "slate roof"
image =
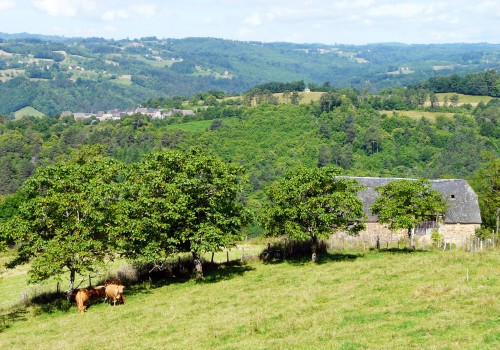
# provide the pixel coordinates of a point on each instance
(463, 206)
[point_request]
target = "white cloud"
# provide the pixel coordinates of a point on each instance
(64, 8)
(253, 20)
(7, 4)
(396, 10)
(488, 7)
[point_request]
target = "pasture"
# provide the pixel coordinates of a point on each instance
(462, 99)
(28, 112)
(416, 114)
(391, 299)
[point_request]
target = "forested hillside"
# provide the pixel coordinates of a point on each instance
(343, 128)
(53, 74)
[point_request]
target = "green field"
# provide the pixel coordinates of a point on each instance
(370, 300)
(415, 114)
(463, 99)
(28, 112)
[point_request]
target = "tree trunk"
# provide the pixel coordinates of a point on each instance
(411, 236)
(314, 248)
(198, 268)
(71, 284)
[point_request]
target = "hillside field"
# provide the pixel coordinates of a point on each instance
(27, 112)
(462, 99)
(358, 300)
(416, 114)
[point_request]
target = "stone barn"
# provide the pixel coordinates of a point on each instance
(461, 220)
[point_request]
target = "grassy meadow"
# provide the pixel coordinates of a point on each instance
(28, 112)
(416, 114)
(463, 99)
(360, 300)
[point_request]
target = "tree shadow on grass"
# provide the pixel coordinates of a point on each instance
(323, 258)
(7, 319)
(213, 272)
(222, 272)
(404, 250)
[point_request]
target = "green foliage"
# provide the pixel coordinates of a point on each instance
(65, 221)
(312, 204)
(180, 202)
(486, 182)
(436, 237)
(404, 204)
(482, 83)
(49, 82)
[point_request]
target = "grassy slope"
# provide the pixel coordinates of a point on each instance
(28, 111)
(473, 100)
(419, 114)
(372, 301)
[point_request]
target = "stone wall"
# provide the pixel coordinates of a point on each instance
(457, 234)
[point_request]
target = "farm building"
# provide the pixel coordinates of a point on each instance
(460, 222)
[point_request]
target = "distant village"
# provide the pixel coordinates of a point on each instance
(117, 114)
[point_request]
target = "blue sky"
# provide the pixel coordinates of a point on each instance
(300, 21)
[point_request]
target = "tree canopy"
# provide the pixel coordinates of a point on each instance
(181, 202)
(65, 221)
(487, 184)
(404, 204)
(313, 204)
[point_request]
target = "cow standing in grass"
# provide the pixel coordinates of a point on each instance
(114, 293)
(82, 296)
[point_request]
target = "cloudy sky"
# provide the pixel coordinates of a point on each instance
(300, 21)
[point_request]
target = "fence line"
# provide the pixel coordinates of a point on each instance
(342, 242)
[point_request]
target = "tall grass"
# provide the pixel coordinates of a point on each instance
(371, 300)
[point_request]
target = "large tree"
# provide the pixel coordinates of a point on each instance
(64, 224)
(313, 204)
(486, 182)
(404, 204)
(182, 202)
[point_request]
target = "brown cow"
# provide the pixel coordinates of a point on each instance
(82, 296)
(98, 292)
(114, 293)
(112, 281)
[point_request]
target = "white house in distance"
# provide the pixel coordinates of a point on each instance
(459, 224)
(117, 114)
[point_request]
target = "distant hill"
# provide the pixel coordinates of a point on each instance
(53, 74)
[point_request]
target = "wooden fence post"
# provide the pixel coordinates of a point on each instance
(227, 254)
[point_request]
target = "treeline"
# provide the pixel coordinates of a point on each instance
(483, 84)
(279, 87)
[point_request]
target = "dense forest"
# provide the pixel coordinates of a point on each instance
(365, 134)
(54, 74)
